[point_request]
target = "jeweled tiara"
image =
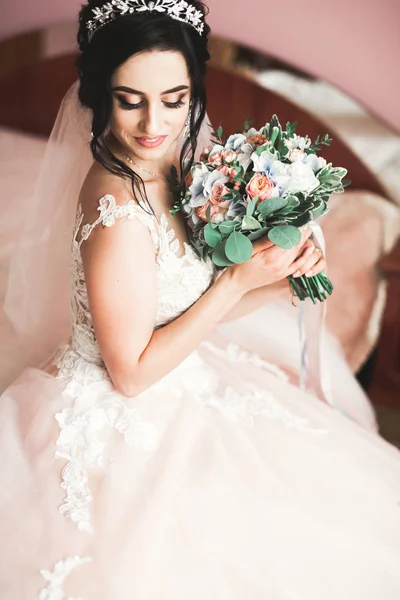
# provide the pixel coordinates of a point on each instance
(180, 10)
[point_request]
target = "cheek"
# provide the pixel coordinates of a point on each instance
(123, 120)
(177, 121)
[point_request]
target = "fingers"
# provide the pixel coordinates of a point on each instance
(262, 244)
(309, 263)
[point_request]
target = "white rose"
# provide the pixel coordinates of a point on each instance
(315, 162)
(302, 178)
(296, 155)
(302, 142)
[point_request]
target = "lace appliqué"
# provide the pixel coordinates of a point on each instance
(96, 405)
(199, 380)
(239, 354)
(54, 588)
(244, 408)
(110, 212)
(181, 281)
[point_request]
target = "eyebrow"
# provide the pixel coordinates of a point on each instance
(128, 90)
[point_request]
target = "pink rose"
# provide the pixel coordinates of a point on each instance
(260, 185)
(217, 191)
(218, 211)
(224, 169)
(215, 159)
(229, 156)
(227, 171)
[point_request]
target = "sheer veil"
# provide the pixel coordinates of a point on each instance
(34, 319)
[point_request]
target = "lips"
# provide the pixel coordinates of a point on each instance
(151, 142)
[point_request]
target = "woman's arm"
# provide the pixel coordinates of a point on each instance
(120, 273)
(255, 299)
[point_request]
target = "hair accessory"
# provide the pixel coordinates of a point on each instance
(180, 10)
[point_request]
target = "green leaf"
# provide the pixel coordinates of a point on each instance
(320, 209)
(211, 235)
(274, 135)
(208, 213)
(250, 223)
(255, 235)
(285, 236)
(292, 203)
(340, 172)
(219, 132)
(251, 206)
(238, 248)
(227, 227)
(302, 219)
(274, 123)
(272, 205)
(219, 257)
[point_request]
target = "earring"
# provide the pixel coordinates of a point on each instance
(186, 129)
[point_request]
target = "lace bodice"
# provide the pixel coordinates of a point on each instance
(181, 278)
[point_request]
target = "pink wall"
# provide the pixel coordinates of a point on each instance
(354, 44)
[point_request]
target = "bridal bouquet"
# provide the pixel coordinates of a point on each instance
(266, 182)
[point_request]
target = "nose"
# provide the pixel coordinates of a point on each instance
(152, 120)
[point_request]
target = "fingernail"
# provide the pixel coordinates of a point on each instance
(309, 251)
(310, 273)
(297, 274)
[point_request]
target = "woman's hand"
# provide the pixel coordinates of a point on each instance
(270, 263)
(309, 262)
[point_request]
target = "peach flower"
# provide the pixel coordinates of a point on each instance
(218, 211)
(229, 156)
(260, 185)
(224, 169)
(215, 159)
(227, 171)
(217, 191)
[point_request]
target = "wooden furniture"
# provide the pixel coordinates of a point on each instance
(385, 387)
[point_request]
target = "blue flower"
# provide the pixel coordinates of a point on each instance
(235, 141)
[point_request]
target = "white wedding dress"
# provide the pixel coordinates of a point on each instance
(223, 481)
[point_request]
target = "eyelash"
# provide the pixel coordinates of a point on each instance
(127, 106)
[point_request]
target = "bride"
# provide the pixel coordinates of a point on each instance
(149, 459)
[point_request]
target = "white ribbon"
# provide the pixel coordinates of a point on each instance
(314, 372)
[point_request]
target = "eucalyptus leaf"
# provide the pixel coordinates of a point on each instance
(258, 234)
(238, 248)
(226, 227)
(272, 205)
(250, 223)
(219, 257)
(251, 206)
(211, 235)
(285, 236)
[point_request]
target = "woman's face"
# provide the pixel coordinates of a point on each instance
(151, 97)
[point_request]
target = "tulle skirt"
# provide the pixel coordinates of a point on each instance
(222, 481)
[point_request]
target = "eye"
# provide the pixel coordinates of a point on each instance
(128, 106)
(176, 104)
